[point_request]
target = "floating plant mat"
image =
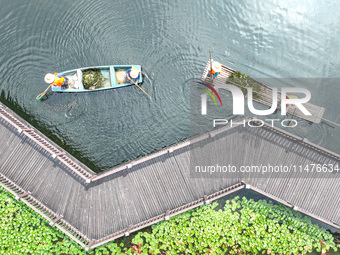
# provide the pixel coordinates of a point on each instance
(93, 79)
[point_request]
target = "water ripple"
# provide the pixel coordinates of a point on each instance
(171, 41)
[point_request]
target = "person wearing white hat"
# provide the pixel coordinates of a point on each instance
(216, 68)
(56, 79)
(133, 74)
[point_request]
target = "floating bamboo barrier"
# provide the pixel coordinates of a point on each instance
(266, 95)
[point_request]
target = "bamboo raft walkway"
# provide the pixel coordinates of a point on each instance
(266, 95)
(95, 209)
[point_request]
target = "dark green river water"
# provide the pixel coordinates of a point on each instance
(171, 41)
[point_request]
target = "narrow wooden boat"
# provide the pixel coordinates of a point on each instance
(112, 77)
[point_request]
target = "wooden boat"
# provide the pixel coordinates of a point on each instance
(113, 77)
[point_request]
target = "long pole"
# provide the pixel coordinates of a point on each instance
(42, 94)
(292, 115)
(138, 86)
(211, 75)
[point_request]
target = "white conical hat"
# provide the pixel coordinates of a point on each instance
(216, 66)
(134, 73)
(49, 78)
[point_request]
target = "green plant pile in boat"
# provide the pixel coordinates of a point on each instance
(246, 82)
(243, 227)
(92, 78)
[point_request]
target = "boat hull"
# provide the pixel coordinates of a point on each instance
(114, 77)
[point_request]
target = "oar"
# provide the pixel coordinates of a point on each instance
(138, 86)
(212, 77)
(39, 97)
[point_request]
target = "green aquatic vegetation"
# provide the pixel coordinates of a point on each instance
(242, 227)
(246, 82)
(23, 231)
(92, 78)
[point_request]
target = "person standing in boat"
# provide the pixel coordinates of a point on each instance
(133, 74)
(56, 79)
(216, 68)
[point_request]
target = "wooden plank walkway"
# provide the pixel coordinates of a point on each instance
(265, 95)
(158, 186)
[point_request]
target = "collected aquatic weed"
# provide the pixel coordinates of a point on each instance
(246, 82)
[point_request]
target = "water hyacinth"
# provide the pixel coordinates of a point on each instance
(23, 231)
(242, 227)
(246, 82)
(92, 78)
